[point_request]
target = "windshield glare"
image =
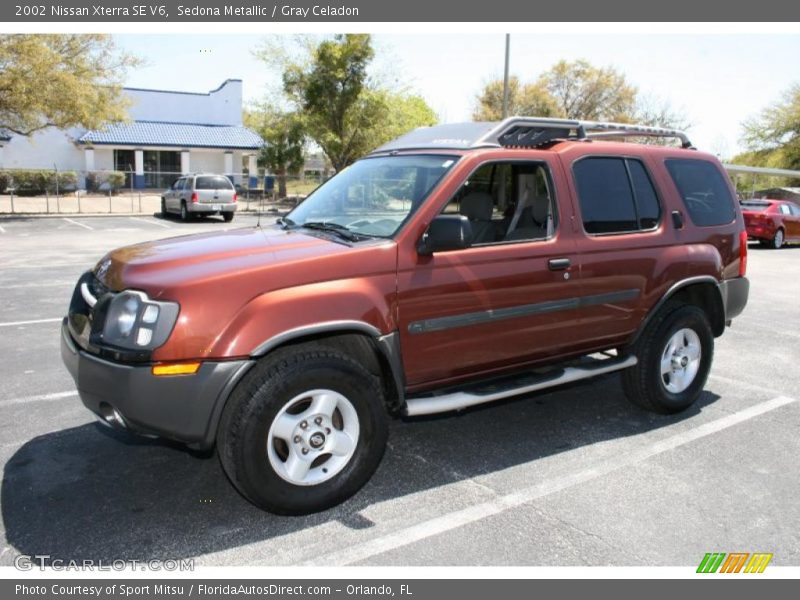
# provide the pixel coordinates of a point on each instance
(374, 196)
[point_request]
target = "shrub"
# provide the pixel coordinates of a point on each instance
(103, 181)
(31, 182)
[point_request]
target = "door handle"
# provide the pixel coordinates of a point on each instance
(559, 264)
(677, 219)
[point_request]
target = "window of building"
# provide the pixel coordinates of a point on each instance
(507, 202)
(705, 192)
(616, 195)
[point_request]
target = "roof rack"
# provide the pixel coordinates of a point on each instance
(535, 131)
(521, 132)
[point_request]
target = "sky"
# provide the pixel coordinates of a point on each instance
(717, 80)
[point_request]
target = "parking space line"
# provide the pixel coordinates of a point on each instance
(84, 225)
(500, 504)
(33, 322)
(39, 398)
(2, 229)
(159, 223)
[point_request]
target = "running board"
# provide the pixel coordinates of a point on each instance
(430, 405)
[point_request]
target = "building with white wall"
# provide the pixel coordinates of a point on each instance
(169, 133)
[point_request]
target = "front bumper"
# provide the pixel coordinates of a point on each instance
(185, 408)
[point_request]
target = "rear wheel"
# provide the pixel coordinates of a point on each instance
(675, 353)
(184, 212)
(228, 216)
(777, 241)
(304, 430)
(163, 207)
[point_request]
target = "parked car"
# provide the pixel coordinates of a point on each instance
(454, 266)
(200, 194)
(772, 222)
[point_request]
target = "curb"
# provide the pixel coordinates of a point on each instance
(156, 214)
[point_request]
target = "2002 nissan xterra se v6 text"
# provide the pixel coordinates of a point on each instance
(457, 265)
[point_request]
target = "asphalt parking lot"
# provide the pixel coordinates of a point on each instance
(576, 476)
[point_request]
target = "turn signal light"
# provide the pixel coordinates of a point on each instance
(742, 253)
(176, 369)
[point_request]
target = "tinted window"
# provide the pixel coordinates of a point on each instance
(754, 205)
(217, 182)
(785, 209)
(178, 185)
(646, 198)
(704, 191)
(795, 210)
(605, 195)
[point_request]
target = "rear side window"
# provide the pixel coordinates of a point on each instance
(705, 192)
(217, 182)
(785, 210)
(616, 195)
(795, 210)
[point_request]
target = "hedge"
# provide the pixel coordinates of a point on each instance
(35, 182)
(103, 181)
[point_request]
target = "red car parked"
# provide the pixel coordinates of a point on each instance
(772, 222)
(457, 265)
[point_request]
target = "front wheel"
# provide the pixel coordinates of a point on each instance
(303, 431)
(675, 353)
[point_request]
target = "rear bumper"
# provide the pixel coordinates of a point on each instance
(185, 408)
(760, 233)
(208, 207)
(734, 296)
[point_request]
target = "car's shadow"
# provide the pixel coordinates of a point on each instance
(90, 493)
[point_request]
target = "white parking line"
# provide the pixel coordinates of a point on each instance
(39, 398)
(34, 322)
(500, 504)
(149, 222)
(84, 225)
(2, 229)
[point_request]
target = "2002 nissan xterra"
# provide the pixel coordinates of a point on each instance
(456, 265)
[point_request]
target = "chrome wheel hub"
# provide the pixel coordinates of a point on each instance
(680, 360)
(313, 437)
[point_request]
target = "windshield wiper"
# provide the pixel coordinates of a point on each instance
(340, 230)
(285, 222)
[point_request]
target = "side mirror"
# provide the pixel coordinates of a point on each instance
(446, 232)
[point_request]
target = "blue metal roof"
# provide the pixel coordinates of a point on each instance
(183, 135)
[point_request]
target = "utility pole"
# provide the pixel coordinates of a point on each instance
(505, 76)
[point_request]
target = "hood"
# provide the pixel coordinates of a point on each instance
(159, 266)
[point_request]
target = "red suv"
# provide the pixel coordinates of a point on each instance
(454, 266)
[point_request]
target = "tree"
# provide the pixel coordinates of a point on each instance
(583, 91)
(61, 80)
(284, 141)
(773, 137)
(570, 90)
(344, 111)
(527, 100)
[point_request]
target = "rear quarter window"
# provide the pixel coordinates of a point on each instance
(704, 191)
(213, 183)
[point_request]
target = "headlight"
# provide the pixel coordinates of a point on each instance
(134, 321)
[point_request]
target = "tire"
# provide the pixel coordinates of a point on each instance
(228, 216)
(163, 207)
(777, 241)
(685, 329)
(261, 434)
(184, 212)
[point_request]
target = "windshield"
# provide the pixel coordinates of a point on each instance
(374, 196)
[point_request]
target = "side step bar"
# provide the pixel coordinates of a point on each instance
(430, 405)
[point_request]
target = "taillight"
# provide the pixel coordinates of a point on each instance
(742, 253)
(235, 196)
(194, 197)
